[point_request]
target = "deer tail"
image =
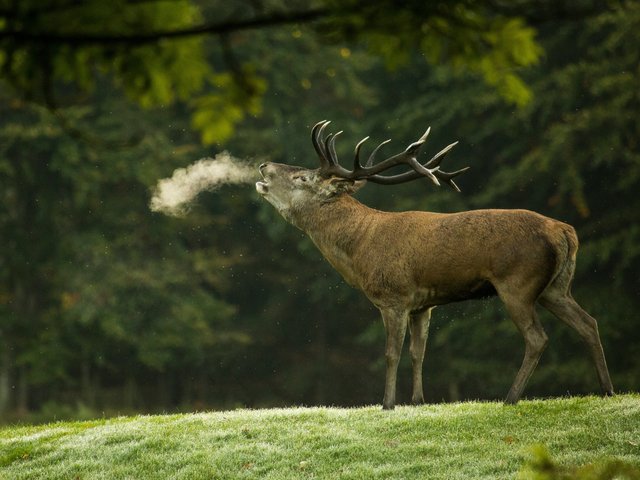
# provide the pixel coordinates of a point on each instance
(566, 252)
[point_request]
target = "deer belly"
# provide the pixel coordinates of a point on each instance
(442, 294)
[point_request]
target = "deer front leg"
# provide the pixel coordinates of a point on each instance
(419, 330)
(395, 324)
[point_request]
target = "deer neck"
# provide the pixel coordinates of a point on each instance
(338, 228)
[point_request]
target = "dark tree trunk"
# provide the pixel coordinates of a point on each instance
(320, 393)
(5, 380)
(22, 397)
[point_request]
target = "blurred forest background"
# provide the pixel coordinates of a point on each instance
(106, 307)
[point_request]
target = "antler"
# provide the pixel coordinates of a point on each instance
(326, 150)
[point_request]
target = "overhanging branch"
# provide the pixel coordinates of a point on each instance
(25, 36)
(539, 14)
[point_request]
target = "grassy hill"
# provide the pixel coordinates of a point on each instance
(448, 441)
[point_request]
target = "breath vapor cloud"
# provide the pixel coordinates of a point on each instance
(172, 196)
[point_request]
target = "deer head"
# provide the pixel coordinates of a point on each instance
(291, 189)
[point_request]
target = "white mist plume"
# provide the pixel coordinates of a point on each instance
(172, 195)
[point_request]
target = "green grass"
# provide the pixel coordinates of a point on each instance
(447, 441)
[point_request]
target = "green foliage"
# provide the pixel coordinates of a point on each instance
(151, 74)
(541, 467)
(104, 301)
(51, 48)
(217, 114)
(115, 286)
(464, 35)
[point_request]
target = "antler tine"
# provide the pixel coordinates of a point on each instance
(447, 177)
(316, 135)
(375, 151)
(408, 156)
(438, 157)
(414, 148)
(425, 135)
(422, 170)
(444, 177)
(356, 159)
(330, 145)
(325, 143)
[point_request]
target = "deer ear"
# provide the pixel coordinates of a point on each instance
(344, 185)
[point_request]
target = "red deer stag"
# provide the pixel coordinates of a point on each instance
(407, 263)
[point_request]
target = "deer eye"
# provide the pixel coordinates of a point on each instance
(302, 178)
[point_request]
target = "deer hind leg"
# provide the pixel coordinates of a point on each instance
(562, 305)
(523, 314)
(419, 330)
(395, 324)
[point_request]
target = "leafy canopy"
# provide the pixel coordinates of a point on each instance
(55, 51)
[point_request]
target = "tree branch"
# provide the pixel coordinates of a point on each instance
(152, 37)
(554, 11)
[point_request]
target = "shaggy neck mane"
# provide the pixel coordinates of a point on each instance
(339, 229)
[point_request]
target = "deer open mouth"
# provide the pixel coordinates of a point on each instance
(262, 188)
